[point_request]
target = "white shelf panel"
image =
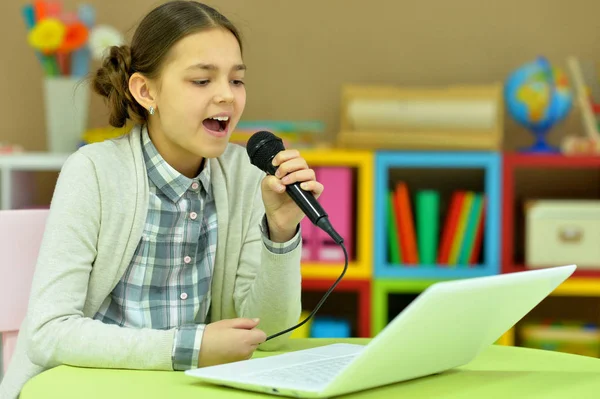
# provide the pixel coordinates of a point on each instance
(33, 161)
(17, 187)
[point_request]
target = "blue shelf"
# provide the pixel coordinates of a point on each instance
(435, 272)
(489, 162)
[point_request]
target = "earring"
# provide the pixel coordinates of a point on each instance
(151, 110)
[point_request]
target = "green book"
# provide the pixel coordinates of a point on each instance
(392, 231)
(427, 220)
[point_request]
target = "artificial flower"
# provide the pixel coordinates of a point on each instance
(47, 35)
(75, 37)
(102, 37)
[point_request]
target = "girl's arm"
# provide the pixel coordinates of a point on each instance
(268, 284)
(59, 332)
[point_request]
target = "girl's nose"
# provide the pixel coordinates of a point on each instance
(224, 93)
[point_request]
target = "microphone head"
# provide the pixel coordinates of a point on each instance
(262, 148)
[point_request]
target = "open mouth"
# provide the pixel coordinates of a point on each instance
(216, 123)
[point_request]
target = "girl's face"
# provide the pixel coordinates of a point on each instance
(199, 98)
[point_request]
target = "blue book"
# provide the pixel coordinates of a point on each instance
(283, 126)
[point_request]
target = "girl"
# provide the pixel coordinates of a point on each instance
(165, 247)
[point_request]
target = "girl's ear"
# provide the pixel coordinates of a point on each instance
(141, 88)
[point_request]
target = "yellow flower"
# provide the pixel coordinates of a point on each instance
(47, 35)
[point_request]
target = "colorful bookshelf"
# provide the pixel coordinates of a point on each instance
(439, 168)
(383, 287)
(362, 161)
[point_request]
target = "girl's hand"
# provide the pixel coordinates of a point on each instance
(230, 340)
(283, 215)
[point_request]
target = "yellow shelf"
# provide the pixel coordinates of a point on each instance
(337, 157)
(362, 266)
(333, 270)
(579, 286)
(508, 339)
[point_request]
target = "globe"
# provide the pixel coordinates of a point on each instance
(537, 96)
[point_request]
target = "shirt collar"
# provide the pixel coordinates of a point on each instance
(166, 179)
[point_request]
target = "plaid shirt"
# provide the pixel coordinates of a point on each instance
(168, 282)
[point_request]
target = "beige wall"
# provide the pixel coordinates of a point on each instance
(299, 53)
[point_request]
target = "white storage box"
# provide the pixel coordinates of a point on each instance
(561, 232)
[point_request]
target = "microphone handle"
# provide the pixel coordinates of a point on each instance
(307, 202)
(309, 205)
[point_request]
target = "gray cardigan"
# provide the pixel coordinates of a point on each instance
(96, 219)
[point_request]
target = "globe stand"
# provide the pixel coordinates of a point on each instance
(540, 145)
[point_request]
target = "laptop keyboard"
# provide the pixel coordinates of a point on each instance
(314, 372)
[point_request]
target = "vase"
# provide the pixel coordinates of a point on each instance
(66, 103)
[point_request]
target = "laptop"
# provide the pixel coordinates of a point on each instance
(446, 326)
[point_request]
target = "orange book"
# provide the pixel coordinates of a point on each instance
(407, 235)
(452, 217)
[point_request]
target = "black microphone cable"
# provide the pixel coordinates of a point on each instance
(322, 299)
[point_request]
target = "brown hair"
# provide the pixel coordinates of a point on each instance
(154, 37)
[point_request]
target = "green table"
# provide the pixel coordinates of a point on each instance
(499, 372)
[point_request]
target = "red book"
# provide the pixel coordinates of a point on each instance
(407, 234)
(398, 215)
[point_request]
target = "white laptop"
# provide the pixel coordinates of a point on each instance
(446, 326)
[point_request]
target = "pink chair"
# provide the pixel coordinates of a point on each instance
(21, 234)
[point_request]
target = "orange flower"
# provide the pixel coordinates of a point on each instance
(75, 37)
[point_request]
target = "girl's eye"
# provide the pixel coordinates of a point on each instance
(238, 82)
(200, 82)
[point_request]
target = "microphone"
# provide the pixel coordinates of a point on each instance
(262, 148)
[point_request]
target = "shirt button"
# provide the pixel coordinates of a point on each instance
(195, 186)
(193, 215)
(183, 296)
(187, 259)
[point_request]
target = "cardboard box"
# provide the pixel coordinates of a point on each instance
(560, 232)
(460, 117)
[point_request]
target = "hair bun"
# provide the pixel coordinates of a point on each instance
(119, 59)
(112, 82)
